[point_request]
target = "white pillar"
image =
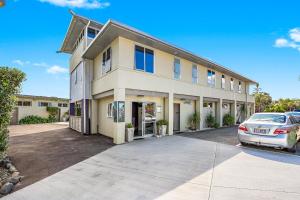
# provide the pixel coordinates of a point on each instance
(199, 109)
(119, 127)
(169, 112)
(220, 112)
(234, 111)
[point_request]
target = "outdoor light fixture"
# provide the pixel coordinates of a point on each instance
(2, 3)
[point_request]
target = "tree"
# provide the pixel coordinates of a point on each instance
(10, 82)
(262, 101)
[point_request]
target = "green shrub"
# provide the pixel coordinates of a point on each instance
(10, 83)
(216, 125)
(33, 119)
(129, 125)
(210, 120)
(194, 121)
(228, 120)
(162, 122)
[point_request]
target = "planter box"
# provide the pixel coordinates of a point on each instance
(129, 134)
(162, 130)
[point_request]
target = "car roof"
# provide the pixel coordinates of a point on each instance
(273, 113)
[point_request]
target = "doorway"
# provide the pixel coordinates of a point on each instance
(176, 118)
(143, 119)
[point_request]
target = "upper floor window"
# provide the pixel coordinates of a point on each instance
(44, 104)
(24, 103)
(75, 75)
(231, 84)
(211, 78)
(62, 105)
(177, 69)
(223, 81)
(106, 61)
(240, 87)
(91, 33)
(109, 110)
(194, 73)
(144, 59)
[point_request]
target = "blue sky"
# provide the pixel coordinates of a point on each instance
(260, 39)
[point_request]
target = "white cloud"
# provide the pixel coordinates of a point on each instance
(292, 42)
(41, 64)
(20, 62)
(88, 4)
(55, 69)
(295, 34)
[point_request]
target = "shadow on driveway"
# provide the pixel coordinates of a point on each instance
(42, 154)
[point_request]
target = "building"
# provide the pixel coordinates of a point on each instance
(121, 75)
(37, 105)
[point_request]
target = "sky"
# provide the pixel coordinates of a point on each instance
(258, 39)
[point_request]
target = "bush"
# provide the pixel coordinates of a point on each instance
(194, 121)
(10, 82)
(216, 125)
(162, 122)
(129, 125)
(228, 120)
(33, 119)
(210, 121)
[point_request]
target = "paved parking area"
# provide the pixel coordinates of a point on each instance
(41, 150)
(173, 167)
(228, 135)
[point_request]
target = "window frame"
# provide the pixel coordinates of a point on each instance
(174, 72)
(109, 112)
(231, 84)
(144, 58)
(223, 82)
(212, 81)
(105, 60)
(197, 74)
(40, 104)
(240, 87)
(96, 32)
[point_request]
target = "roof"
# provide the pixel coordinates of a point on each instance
(41, 98)
(113, 29)
(77, 24)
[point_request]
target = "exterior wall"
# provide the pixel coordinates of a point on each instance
(105, 124)
(187, 108)
(34, 109)
(76, 93)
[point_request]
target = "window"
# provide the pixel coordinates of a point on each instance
(240, 87)
(24, 103)
(76, 76)
(231, 84)
(211, 78)
(106, 61)
(109, 110)
(62, 105)
(44, 104)
(91, 33)
(194, 73)
(223, 82)
(177, 69)
(144, 59)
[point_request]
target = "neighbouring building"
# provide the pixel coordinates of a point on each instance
(37, 105)
(121, 75)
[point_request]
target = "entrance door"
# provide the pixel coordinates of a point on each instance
(143, 119)
(176, 118)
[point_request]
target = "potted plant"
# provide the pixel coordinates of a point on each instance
(194, 121)
(210, 121)
(162, 127)
(228, 120)
(129, 132)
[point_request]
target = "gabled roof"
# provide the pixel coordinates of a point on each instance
(113, 29)
(77, 24)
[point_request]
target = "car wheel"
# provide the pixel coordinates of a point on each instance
(293, 149)
(243, 143)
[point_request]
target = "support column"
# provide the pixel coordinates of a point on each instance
(118, 126)
(169, 114)
(234, 111)
(220, 112)
(94, 116)
(199, 109)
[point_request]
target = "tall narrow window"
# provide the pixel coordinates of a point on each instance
(211, 78)
(91, 33)
(110, 110)
(106, 61)
(144, 59)
(240, 87)
(223, 81)
(177, 69)
(194, 73)
(231, 84)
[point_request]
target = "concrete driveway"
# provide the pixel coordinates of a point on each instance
(173, 167)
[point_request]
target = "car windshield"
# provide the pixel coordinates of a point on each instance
(268, 118)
